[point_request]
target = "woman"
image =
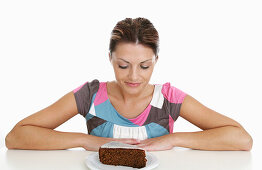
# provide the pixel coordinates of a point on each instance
(129, 110)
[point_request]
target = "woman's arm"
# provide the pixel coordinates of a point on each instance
(39, 138)
(219, 132)
(36, 131)
(221, 138)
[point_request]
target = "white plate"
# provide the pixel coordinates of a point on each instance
(92, 161)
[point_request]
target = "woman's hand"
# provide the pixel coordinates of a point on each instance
(158, 143)
(92, 143)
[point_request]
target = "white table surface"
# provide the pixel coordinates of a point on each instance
(177, 158)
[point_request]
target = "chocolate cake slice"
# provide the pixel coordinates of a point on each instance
(116, 153)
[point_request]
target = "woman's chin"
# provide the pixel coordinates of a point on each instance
(133, 90)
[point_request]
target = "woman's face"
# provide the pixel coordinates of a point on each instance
(133, 66)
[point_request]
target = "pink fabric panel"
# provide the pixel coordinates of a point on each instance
(101, 95)
(171, 124)
(78, 88)
(173, 94)
(140, 120)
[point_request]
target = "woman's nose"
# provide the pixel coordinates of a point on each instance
(133, 74)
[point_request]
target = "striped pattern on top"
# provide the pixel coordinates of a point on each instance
(103, 120)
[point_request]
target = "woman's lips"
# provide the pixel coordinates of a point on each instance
(133, 84)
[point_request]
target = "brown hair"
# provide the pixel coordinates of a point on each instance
(138, 30)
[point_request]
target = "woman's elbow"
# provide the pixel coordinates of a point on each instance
(246, 141)
(9, 141)
(247, 146)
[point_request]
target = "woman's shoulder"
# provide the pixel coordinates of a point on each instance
(172, 93)
(88, 85)
(84, 95)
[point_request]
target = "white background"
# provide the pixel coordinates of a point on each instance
(209, 49)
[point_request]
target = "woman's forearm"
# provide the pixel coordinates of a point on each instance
(38, 138)
(223, 138)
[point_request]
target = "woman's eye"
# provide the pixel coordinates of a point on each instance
(144, 67)
(122, 67)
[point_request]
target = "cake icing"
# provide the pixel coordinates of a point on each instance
(115, 144)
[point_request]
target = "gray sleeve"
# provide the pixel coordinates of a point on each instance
(83, 96)
(175, 98)
(175, 110)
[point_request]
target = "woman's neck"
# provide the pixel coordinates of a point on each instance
(118, 92)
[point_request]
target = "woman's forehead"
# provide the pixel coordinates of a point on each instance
(140, 61)
(129, 52)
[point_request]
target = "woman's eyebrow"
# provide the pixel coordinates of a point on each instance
(123, 60)
(128, 62)
(146, 60)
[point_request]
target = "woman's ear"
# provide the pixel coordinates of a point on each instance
(110, 57)
(156, 58)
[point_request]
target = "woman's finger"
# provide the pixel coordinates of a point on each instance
(141, 145)
(145, 147)
(144, 141)
(129, 141)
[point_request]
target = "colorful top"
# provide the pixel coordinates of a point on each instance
(103, 120)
